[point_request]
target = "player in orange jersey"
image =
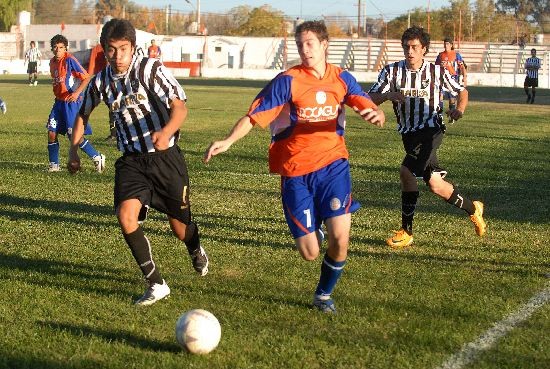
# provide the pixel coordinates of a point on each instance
(454, 63)
(69, 81)
(153, 51)
(304, 108)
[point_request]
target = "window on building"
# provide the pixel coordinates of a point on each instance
(218, 49)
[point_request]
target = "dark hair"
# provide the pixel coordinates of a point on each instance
(33, 43)
(416, 33)
(59, 39)
(117, 29)
(533, 49)
(317, 27)
(449, 40)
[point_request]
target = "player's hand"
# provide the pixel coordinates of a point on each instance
(73, 97)
(214, 149)
(73, 163)
(455, 114)
(161, 141)
(376, 117)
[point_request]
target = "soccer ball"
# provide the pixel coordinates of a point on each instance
(198, 331)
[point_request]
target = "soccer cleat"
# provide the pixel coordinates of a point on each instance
(3, 107)
(30, 84)
(451, 121)
(477, 219)
(200, 261)
(325, 305)
(99, 162)
(53, 167)
(400, 240)
(154, 293)
(35, 83)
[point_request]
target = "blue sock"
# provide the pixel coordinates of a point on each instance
(88, 148)
(53, 152)
(330, 273)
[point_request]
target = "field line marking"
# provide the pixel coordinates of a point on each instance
(469, 351)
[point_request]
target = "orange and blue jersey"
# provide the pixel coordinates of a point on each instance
(67, 74)
(306, 116)
(452, 61)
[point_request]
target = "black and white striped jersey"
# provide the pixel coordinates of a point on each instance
(422, 88)
(532, 66)
(33, 55)
(139, 101)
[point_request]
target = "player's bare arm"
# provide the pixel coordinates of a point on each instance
(76, 94)
(460, 106)
(178, 113)
(239, 130)
(379, 98)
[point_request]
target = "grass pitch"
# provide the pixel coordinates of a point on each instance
(68, 279)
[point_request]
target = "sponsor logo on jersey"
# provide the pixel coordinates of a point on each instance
(318, 113)
(127, 101)
(413, 92)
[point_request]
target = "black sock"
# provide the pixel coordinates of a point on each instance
(408, 206)
(461, 202)
(141, 250)
(533, 97)
(192, 240)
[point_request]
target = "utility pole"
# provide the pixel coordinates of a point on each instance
(359, 18)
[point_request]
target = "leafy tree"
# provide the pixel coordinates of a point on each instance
(528, 10)
(262, 21)
(9, 10)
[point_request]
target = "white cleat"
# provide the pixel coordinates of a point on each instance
(154, 293)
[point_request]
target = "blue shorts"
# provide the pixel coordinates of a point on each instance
(62, 118)
(310, 199)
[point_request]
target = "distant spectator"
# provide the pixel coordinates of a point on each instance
(33, 56)
(532, 66)
(154, 50)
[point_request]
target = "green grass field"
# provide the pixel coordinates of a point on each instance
(68, 279)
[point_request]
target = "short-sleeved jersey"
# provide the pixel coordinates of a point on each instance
(452, 61)
(67, 74)
(139, 101)
(422, 89)
(154, 51)
(532, 66)
(33, 55)
(97, 60)
(306, 116)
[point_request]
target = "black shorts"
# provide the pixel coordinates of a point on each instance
(531, 82)
(421, 152)
(158, 180)
(32, 68)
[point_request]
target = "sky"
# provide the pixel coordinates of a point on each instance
(307, 9)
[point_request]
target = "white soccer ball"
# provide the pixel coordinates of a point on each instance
(198, 331)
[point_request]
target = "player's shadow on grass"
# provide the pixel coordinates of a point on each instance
(124, 337)
(80, 277)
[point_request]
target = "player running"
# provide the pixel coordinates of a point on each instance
(304, 108)
(414, 87)
(149, 108)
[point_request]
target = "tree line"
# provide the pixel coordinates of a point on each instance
(476, 20)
